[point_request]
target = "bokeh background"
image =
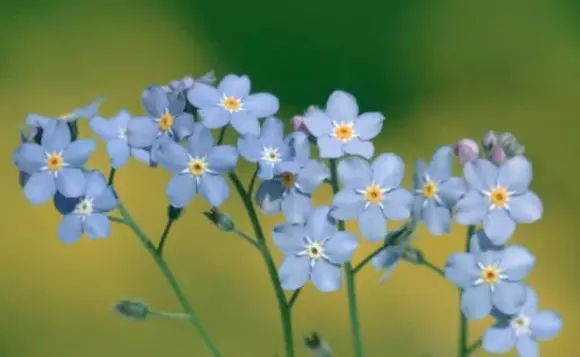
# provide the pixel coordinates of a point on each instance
(439, 70)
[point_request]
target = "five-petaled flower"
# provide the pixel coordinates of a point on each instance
(341, 130)
(231, 102)
(197, 168)
(372, 193)
(499, 196)
(436, 192)
(313, 251)
(54, 165)
(268, 150)
(522, 330)
(87, 213)
(490, 279)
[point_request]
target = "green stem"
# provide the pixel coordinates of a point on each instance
(166, 271)
(474, 346)
(111, 177)
(427, 264)
(463, 325)
(270, 265)
(294, 297)
(350, 278)
(164, 236)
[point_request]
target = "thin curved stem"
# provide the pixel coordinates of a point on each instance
(166, 271)
(222, 135)
(270, 265)
(433, 268)
(294, 297)
(164, 236)
(248, 239)
(474, 346)
(252, 183)
(111, 177)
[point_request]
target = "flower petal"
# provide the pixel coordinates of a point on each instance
(40, 187)
(203, 96)
(329, 148)
(261, 105)
(105, 129)
(479, 242)
(342, 107)
(70, 229)
(269, 196)
(142, 132)
(341, 247)
(172, 157)
(499, 339)
(77, 153)
(437, 218)
(318, 123)
(183, 126)
(56, 137)
(441, 164)
(299, 147)
(359, 147)
(320, 225)
(472, 208)
(476, 302)
(397, 204)
(387, 260)
(326, 276)
(155, 101)
(354, 173)
(250, 147)
(272, 131)
(419, 174)
(312, 175)
(451, 190)
(180, 190)
(526, 208)
(119, 152)
(214, 117)
(546, 325)
(461, 269)
(289, 238)
(222, 159)
(30, 157)
(515, 174)
(71, 182)
(388, 170)
(372, 224)
(517, 262)
(245, 123)
(530, 306)
(214, 189)
(105, 202)
(369, 125)
(296, 206)
(235, 86)
(508, 297)
(294, 272)
(499, 226)
(97, 226)
(200, 143)
(480, 174)
(527, 347)
(347, 204)
(96, 184)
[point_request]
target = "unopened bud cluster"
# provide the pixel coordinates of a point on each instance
(496, 147)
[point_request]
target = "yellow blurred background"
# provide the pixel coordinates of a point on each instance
(439, 70)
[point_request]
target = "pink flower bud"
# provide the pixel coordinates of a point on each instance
(466, 150)
(298, 124)
(497, 155)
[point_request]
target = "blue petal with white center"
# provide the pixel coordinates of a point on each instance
(313, 251)
(372, 194)
(341, 130)
(499, 197)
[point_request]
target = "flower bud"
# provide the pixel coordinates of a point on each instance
(173, 213)
(132, 309)
(413, 255)
(317, 346)
(489, 140)
(510, 145)
(497, 155)
(466, 150)
(298, 124)
(220, 220)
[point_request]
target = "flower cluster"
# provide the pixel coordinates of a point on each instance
(175, 133)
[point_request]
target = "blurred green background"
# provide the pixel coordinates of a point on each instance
(439, 70)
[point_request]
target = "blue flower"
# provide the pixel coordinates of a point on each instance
(55, 165)
(91, 110)
(291, 188)
(114, 133)
(499, 196)
(341, 130)
(436, 192)
(490, 279)
(167, 120)
(197, 168)
(268, 150)
(372, 193)
(232, 103)
(87, 213)
(397, 243)
(523, 330)
(313, 251)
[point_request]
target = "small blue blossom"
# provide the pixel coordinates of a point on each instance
(341, 130)
(91, 110)
(187, 82)
(268, 150)
(522, 330)
(167, 120)
(499, 197)
(490, 279)
(290, 190)
(54, 165)
(231, 102)
(372, 193)
(197, 168)
(313, 251)
(87, 213)
(27, 134)
(114, 132)
(436, 192)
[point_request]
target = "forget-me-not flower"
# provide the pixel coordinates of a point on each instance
(499, 196)
(114, 132)
(268, 150)
(54, 165)
(436, 192)
(91, 110)
(522, 330)
(291, 188)
(490, 279)
(372, 193)
(187, 82)
(313, 251)
(197, 168)
(341, 130)
(88, 213)
(231, 102)
(167, 120)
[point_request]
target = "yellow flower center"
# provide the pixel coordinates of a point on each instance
(166, 121)
(197, 167)
(429, 189)
(499, 197)
(373, 194)
(54, 162)
(343, 132)
(490, 275)
(232, 104)
(288, 180)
